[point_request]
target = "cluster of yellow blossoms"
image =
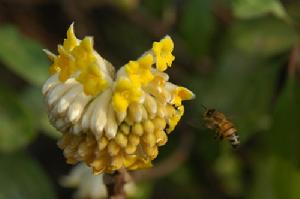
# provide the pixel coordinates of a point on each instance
(112, 120)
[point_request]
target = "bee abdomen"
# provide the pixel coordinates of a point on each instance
(231, 134)
(226, 127)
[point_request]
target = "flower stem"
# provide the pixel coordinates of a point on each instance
(115, 183)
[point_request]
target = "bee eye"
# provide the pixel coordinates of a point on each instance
(210, 112)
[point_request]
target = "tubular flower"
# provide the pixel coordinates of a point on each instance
(126, 92)
(163, 52)
(92, 80)
(140, 71)
(109, 120)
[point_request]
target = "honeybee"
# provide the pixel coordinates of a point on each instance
(223, 127)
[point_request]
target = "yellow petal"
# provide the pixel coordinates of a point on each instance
(71, 40)
(125, 93)
(163, 53)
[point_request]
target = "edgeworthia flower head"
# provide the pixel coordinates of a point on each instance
(112, 120)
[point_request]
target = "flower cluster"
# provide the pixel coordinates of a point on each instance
(112, 120)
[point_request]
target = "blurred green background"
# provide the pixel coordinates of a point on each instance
(239, 56)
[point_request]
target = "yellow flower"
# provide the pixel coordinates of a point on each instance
(78, 58)
(180, 94)
(84, 53)
(126, 92)
(64, 60)
(109, 120)
(163, 52)
(174, 118)
(64, 63)
(140, 71)
(92, 80)
(71, 41)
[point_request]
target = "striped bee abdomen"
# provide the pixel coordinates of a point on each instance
(226, 128)
(229, 132)
(223, 127)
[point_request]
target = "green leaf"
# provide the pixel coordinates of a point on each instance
(197, 25)
(22, 178)
(263, 37)
(23, 55)
(285, 131)
(16, 122)
(246, 9)
(275, 178)
(33, 95)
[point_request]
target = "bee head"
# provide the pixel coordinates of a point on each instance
(210, 112)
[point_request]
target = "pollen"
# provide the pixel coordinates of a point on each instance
(112, 120)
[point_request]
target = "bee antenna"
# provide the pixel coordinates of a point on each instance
(204, 106)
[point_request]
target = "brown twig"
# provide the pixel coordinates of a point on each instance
(115, 183)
